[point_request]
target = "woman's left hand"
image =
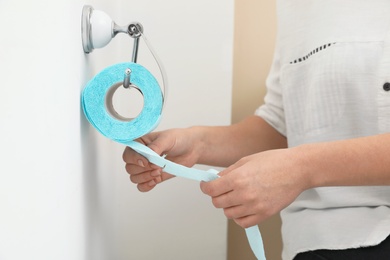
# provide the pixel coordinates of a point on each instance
(257, 186)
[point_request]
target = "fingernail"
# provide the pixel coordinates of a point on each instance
(151, 183)
(141, 163)
(156, 173)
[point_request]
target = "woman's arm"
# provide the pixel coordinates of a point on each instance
(224, 145)
(260, 185)
(354, 162)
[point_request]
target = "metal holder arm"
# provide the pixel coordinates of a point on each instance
(97, 30)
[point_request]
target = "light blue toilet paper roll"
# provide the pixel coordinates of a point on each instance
(97, 95)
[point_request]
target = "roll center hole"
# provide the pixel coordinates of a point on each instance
(124, 104)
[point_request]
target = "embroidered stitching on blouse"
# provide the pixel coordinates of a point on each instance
(323, 47)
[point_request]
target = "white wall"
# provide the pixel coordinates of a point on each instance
(64, 193)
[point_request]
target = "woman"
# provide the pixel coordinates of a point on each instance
(317, 150)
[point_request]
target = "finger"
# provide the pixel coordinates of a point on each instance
(145, 177)
(160, 144)
(231, 168)
(248, 221)
(225, 200)
(145, 187)
(230, 180)
(158, 179)
(235, 212)
(217, 187)
(149, 185)
(214, 188)
(131, 157)
(135, 169)
(166, 176)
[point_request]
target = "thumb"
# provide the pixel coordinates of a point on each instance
(227, 170)
(223, 173)
(160, 143)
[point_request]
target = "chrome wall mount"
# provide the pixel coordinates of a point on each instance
(98, 29)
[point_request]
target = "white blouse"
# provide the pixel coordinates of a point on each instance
(330, 80)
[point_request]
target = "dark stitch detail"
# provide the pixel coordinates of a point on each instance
(320, 48)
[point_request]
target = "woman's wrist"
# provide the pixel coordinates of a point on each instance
(198, 137)
(305, 168)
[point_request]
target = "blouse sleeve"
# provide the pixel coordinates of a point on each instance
(272, 110)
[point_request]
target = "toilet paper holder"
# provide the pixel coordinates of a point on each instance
(98, 29)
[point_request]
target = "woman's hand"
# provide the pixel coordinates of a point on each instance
(177, 144)
(257, 186)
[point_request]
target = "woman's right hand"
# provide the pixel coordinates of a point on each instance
(177, 144)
